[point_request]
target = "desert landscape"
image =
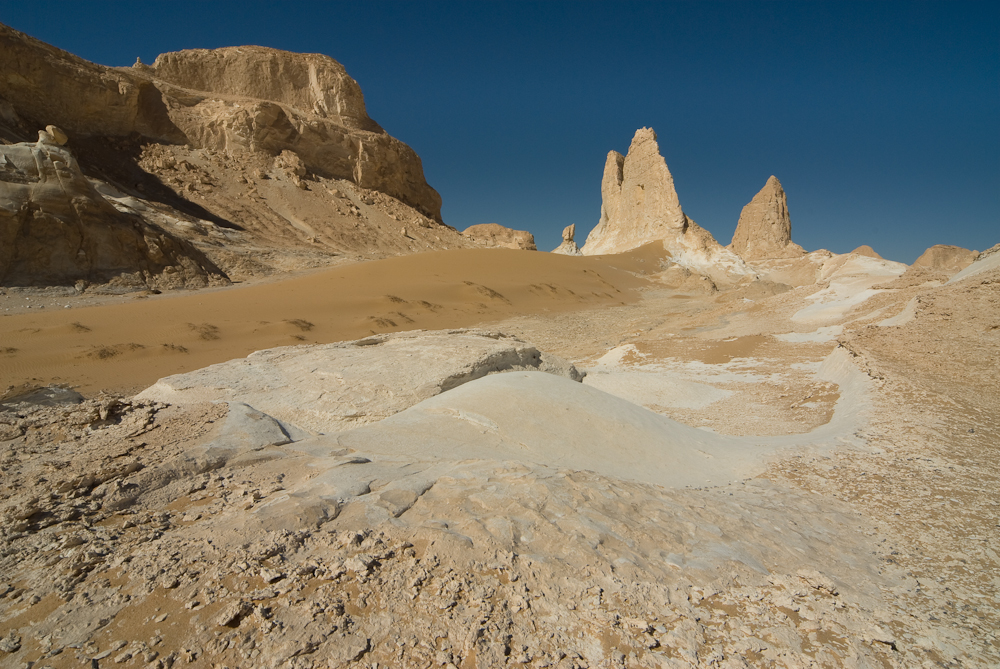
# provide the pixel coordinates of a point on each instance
(260, 406)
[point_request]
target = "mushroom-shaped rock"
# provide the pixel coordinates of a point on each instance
(568, 246)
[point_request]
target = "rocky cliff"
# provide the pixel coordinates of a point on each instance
(764, 230)
(640, 205)
(228, 99)
(264, 160)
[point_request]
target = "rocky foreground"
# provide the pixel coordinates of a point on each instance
(464, 498)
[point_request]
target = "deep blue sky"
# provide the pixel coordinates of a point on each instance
(881, 119)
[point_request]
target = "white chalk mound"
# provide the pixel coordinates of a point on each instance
(542, 419)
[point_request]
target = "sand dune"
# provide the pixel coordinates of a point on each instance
(126, 347)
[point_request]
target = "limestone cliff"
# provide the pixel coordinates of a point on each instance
(764, 230)
(231, 99)
(265, 161)
(640, 205)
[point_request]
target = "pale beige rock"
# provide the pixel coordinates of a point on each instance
(496, 235)
(640, 206)
(947, 258)
(56, 228)
(568, 246)
(764, 230)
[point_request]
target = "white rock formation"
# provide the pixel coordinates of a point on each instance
(764, 230)
(568, 246)
(640, 206)
(334, 387)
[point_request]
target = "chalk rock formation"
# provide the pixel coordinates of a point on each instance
(56, 229)
(946, 258)
(568, 246)
(292, 383)
(496, 235)
(233, 99)
(764, 230)
(640, 205)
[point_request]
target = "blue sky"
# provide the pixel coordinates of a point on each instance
(881, 119)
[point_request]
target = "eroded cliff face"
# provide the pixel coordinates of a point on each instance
(640, 206)
(57, 229)
(232, 99)
(764, 230)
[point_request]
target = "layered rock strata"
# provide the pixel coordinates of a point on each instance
(764, 230)
(232, 99)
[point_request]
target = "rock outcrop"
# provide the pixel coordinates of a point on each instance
(423, 364)
(640, 205)
(568, 246)
(946, 258)
(265, 161)
(867, 251)
(498, 236)
(56, 228)
(764, 230)
(231, 99)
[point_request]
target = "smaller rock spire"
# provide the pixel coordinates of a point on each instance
(765, 227)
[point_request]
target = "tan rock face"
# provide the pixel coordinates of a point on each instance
(232, 100)
(867, 251)
(309, 83)
(640, 205)
(764, 230)
(496, 235)
(55, 228)
(945, 257)
(639, 202)
(568, 246)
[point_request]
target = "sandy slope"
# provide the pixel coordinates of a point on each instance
(130, 343)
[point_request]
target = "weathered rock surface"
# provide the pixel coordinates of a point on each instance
(764, 230)
(264, 160)
(640, 205)
(56, 228)
(946, 258)
(498, 236)
(333, 387)
(568, 246)
(229, 99)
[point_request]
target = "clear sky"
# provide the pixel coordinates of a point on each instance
(881, 119)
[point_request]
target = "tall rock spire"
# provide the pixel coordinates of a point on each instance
(640, 205)
(765, 228)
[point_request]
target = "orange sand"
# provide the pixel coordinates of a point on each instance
(127, 347)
